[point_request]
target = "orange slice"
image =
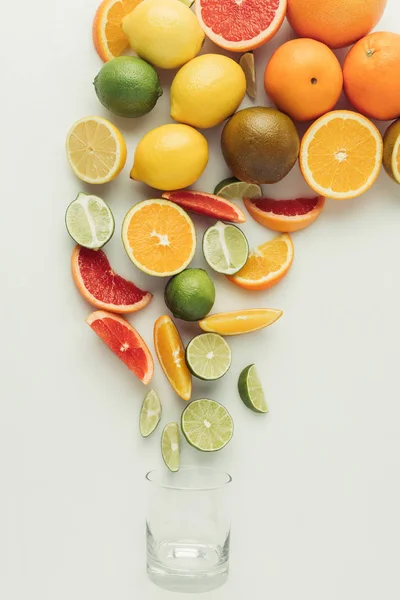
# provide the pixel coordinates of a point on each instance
(341, 155)
(266, 265)
(108, 37)
(159, 237)
(286, 216)
(241, 321)
(171, 354)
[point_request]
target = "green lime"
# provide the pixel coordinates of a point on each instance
(250, 390)
(89, 221)
(225, 248)
(128, 86)
(190, 295)
(208, 356)
(150, 414)
(170, 446)
(246, 61)
(188, 3)
(234, 189)
(207, 425)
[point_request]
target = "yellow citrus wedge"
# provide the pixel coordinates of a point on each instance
(341, 155)
(96, 150)
(266, 265)
(108, 37)
(241, 321)
(171, 354)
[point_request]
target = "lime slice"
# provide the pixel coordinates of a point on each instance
(225, 248)
(208, 356)
(246, 61)
(234, 189)
(207, 425)
(250, 390)
(188, 3)
(170, 446)
(150, 414)
(89, 221)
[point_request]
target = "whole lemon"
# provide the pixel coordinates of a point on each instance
(170, 157)
(166, 33)
(207, 90)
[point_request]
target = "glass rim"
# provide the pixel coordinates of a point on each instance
(227, 479)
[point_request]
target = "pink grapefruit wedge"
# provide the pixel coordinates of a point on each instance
(285, 216)
(240, 25)
(124, 341)
(207, 205)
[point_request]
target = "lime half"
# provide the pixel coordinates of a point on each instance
(225, 248)
(208, 356)
(207, 425)
(89, 221)
(150, 414)
(234, 189)
(170, 446)
(251, 391)
(246, 61)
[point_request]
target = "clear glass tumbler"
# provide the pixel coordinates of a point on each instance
(188, 529)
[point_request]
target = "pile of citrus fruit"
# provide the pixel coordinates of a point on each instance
(340, 157)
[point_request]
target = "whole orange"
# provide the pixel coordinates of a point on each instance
(371, 76)
(337, 23)
(304, 79)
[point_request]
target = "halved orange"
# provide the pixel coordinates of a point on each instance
(159, 237)
(171, 354)
(286, 216)
(240, 321)
(108, 37)
(341, 155)
(266, 265)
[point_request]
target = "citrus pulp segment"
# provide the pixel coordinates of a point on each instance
(108, 37)
(208, 205)
(241, 321)
(150, 414)
(171, 355)
(207, 425)
(89, 221)
(225, 248)
(250, 390)
(170, 446)
(208, 356)
(285, 216)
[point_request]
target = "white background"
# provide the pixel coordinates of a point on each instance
(316, 495)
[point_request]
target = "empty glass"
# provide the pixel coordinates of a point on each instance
(188, 529)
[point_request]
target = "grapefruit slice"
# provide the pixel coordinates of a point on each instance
(240, 321)
(171, 354)
(207, 205)
(286, 216)
(125, 342)
(240, 25)
(103, 288)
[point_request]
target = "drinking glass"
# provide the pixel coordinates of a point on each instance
(188, 529)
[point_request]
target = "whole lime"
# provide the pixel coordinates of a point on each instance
(190, 295)
(128, 86)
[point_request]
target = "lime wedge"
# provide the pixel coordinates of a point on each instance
(234, 189)
(250, 390)
(188, 3)
(225, 248)
(208, 356)
(89, 221)
(246, 61)
(207, 425)
(170, 446)
(150, 414)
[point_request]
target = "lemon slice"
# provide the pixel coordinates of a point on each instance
(96, 150)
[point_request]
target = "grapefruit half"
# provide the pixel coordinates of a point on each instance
(103, 288)
(207, 205)
(240, 25)
(124, 341)
(285, 216)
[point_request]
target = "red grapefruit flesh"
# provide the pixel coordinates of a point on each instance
(240, 25)
(207, 205)
(124, 341)
(285, 216)
(103, 288)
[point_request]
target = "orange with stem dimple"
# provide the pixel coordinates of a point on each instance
(108, 37)
(159, 237)
(171, 354)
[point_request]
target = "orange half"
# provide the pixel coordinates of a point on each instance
(159, 237)
(171, 354)
(108, 37)
(341, 155)
(266, 265)
(241, 321)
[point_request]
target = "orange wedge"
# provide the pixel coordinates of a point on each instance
(159, 237)
(266, 265)
(341, 155)
(241, 321)
(108, 37)
(171, 354)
